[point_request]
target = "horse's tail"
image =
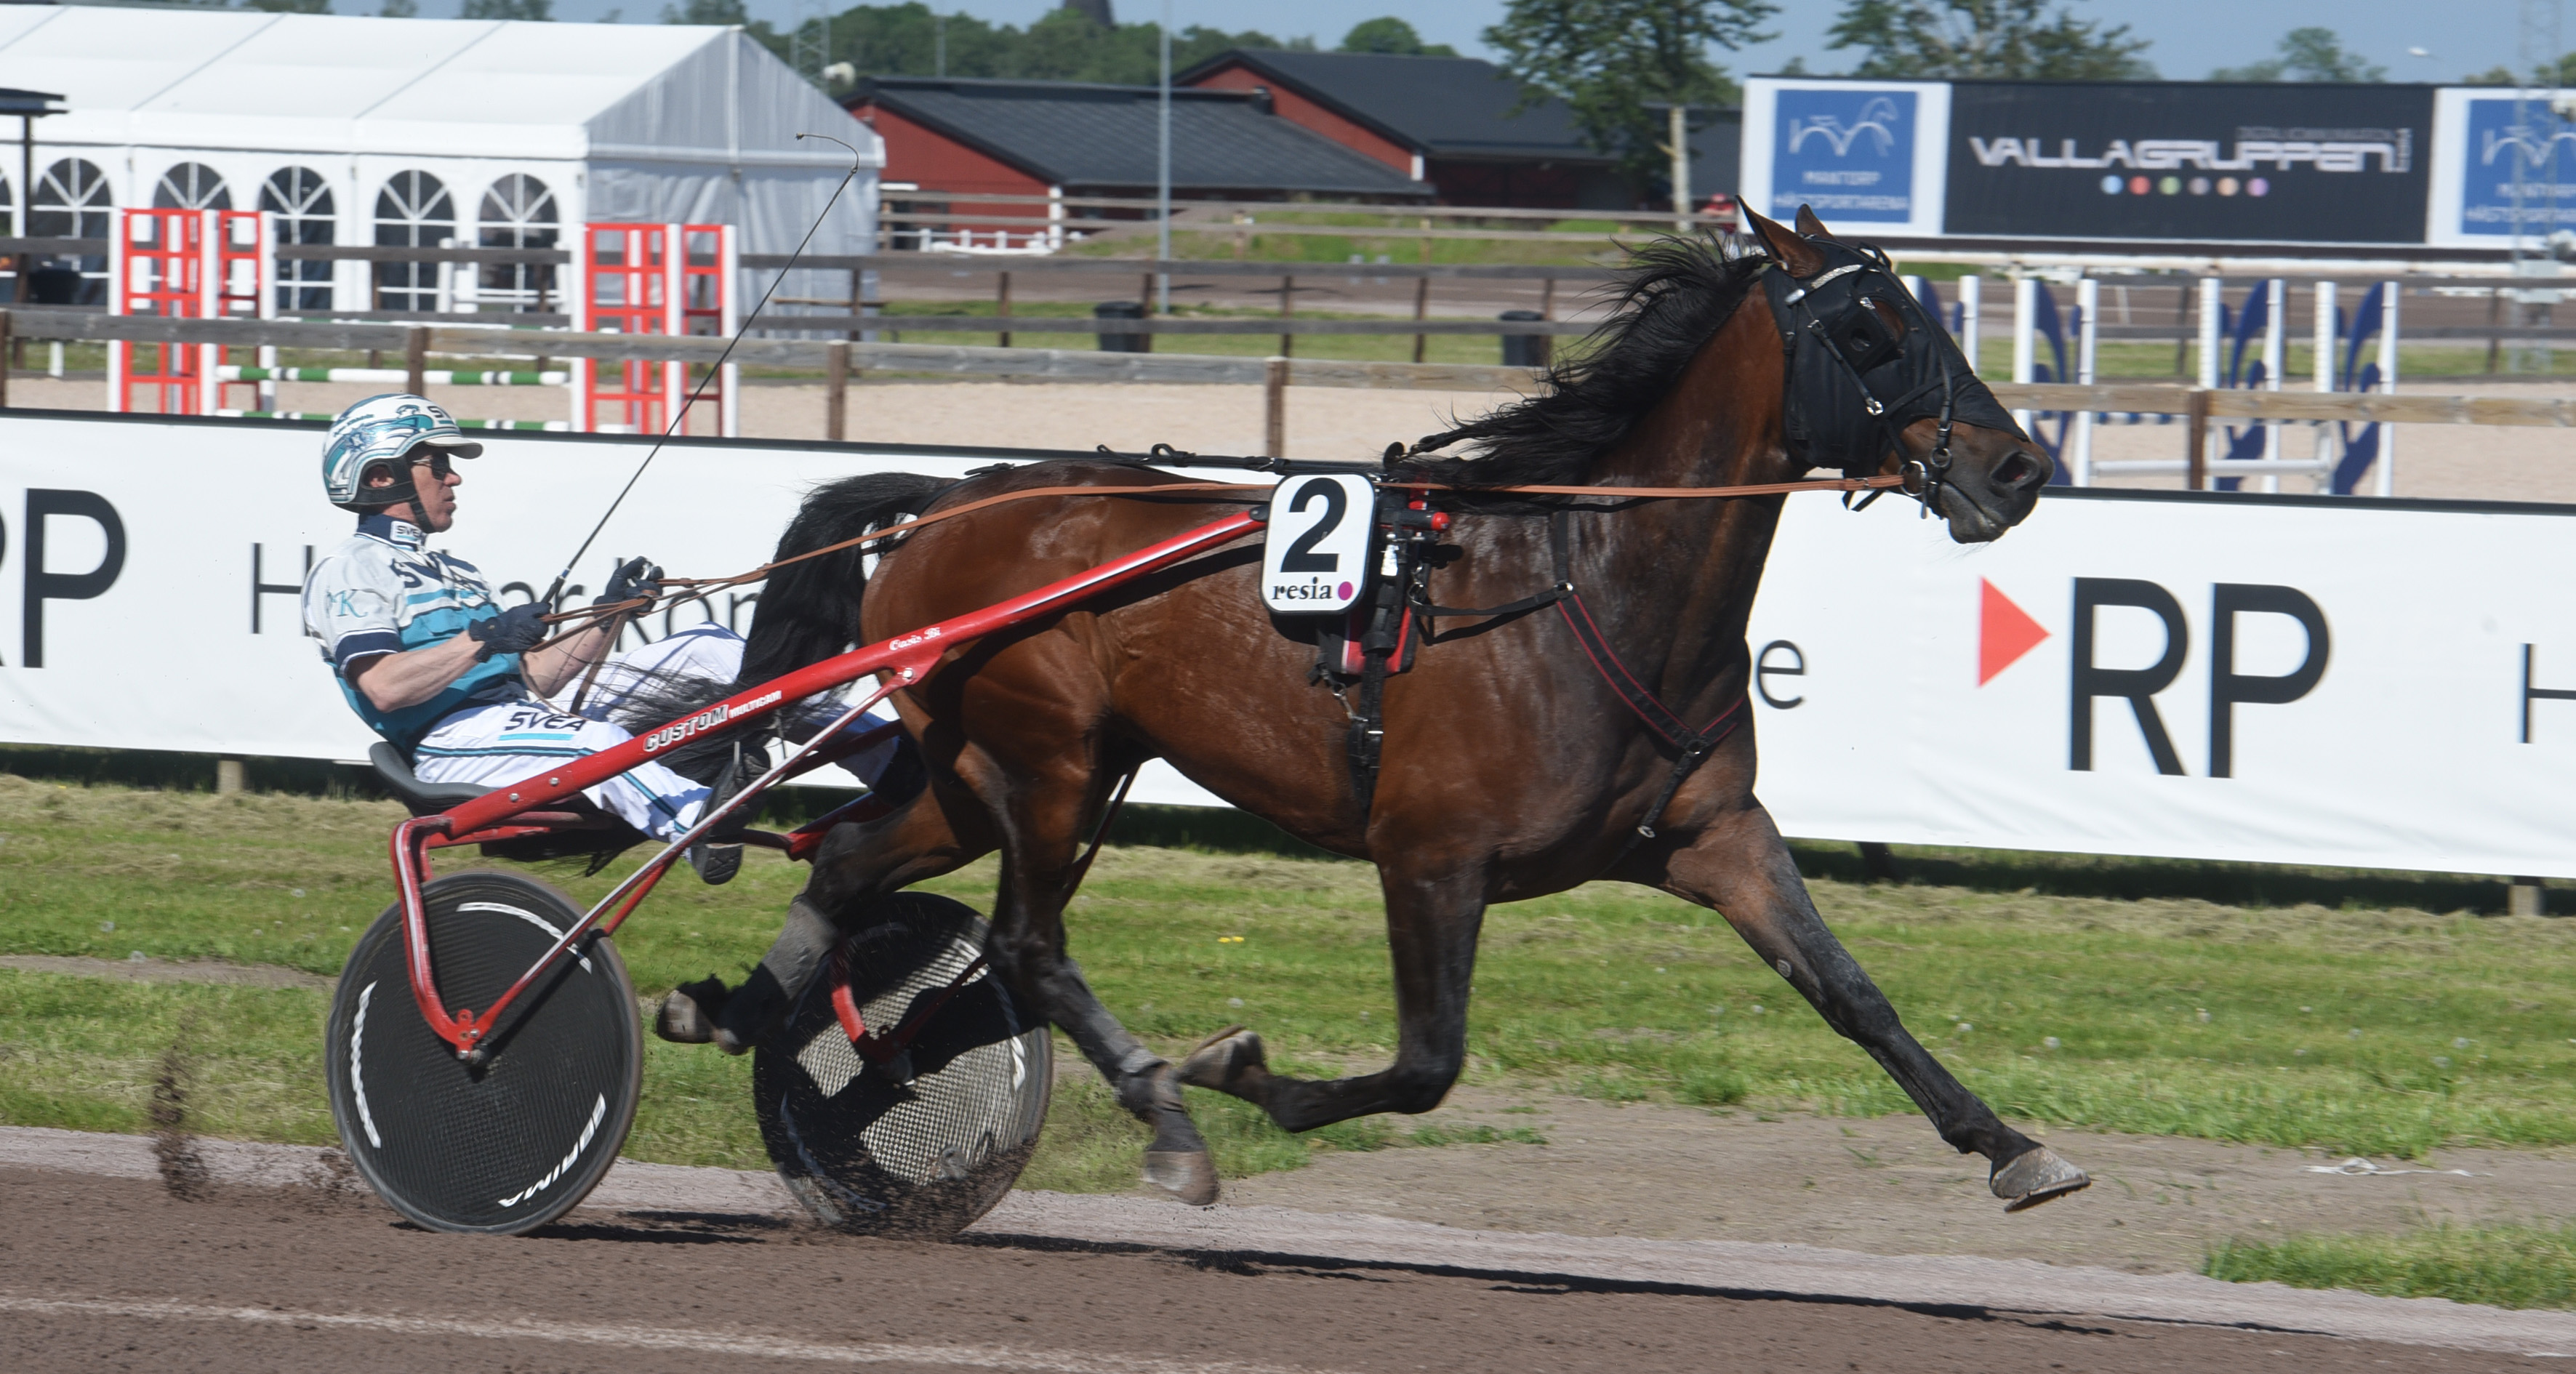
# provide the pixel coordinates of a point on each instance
(809, 610)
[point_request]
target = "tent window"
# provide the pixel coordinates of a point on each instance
(191, 186)
(301, 201)
(413, 211)
(72, 202)
(519, 212)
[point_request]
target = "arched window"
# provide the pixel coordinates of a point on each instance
(191, 186)
(71, 201)
(519, 212)
(413, 211)
(301, 201)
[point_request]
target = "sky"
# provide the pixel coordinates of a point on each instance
(2189, 37)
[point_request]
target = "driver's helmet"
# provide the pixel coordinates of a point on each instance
(378, 432)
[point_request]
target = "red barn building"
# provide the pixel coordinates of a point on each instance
(1059, 138)
(1446, 122)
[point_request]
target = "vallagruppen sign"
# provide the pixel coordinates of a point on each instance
(2284, 162)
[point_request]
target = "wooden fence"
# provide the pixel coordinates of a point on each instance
(840, 361)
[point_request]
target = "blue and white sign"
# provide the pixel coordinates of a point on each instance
(2504, 162)
(1862, 153)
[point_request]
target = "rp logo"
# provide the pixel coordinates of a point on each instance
(2005, 633)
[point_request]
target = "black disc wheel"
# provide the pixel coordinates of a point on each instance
(919, 1143)
(514, 1142)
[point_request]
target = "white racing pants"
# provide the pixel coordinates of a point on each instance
(511, 741)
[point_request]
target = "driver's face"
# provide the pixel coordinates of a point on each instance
(434, 478)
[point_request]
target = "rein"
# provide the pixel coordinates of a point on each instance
(696, 587)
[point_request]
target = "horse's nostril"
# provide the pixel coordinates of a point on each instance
(2013, 470)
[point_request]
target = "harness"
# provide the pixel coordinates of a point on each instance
(1852, 386)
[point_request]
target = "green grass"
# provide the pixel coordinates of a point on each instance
(2503, 1266)
(2269, 1016)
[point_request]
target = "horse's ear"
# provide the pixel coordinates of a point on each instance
(1809, 225)
(1795, 254)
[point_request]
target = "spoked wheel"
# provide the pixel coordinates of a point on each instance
(922, 1141)
(517, 1141)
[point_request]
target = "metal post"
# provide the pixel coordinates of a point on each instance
(1970, 317)
(1163, 172)
(2025, 356)
(836, 390)
(1002, 306)
(416, 360)
(2088, 303)
(27, 202)
(2196, 429)
(2211, 307)
(1679, 125)
(2388, 385)
(1274, 401)
(2322, 345)
(2275, 329)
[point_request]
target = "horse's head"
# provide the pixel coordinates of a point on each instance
(1877, 386)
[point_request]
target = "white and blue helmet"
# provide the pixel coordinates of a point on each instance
(378, 432)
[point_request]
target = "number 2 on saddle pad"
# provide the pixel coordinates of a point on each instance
(1316, 554)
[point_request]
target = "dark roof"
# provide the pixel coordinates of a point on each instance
(1440, 106)
(1073, 134)
(14, 101)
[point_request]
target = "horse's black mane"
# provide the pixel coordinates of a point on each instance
(1674, 295)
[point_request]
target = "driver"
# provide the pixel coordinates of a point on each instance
(429, 660)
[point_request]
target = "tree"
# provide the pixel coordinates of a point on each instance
(400, 9)
(1065, 44)
(2559, 73)
(1392, 37)
(1966, 39)
(1612, 60)
(507, 9)
(289, 6)
(2310, 54)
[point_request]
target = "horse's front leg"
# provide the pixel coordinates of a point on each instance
(1740, 866)
(1431, 924)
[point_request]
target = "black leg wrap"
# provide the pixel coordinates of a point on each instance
(757, 1007)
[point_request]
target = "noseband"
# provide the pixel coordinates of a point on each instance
(1854, 384)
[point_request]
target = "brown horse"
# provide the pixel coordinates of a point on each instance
(1511, 767)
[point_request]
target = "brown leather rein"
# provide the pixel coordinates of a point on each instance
(697, 587)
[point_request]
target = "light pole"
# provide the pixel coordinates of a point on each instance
(1163, 174)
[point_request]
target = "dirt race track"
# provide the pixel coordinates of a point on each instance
(271, 1266)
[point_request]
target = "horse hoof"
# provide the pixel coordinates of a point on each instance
(2034, 1176)
(1220, 1058)
(1188, 1175)
(688, 1014)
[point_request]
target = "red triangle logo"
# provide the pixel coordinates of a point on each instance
(2004, 632)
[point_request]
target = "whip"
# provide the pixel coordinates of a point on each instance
(682, 414)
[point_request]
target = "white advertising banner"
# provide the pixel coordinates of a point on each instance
(2282, 679)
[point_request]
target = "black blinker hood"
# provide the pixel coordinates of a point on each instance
(1854, 384)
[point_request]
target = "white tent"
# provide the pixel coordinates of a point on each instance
(412, 131)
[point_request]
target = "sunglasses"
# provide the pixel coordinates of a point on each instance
(440, 466)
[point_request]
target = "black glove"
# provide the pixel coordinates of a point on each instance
(514, 631)
(635, 577)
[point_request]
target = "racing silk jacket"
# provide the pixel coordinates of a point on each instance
(384, 592)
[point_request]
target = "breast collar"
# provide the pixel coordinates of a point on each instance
(1854, 385)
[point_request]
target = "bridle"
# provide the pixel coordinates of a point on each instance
(1835, 408)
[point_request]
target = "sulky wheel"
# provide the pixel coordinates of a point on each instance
(515, 1142)
(917, 1143)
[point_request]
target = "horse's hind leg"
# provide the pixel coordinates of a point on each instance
(1043, 829)
(856, 865)
(1740, 867)
(1432, 916)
